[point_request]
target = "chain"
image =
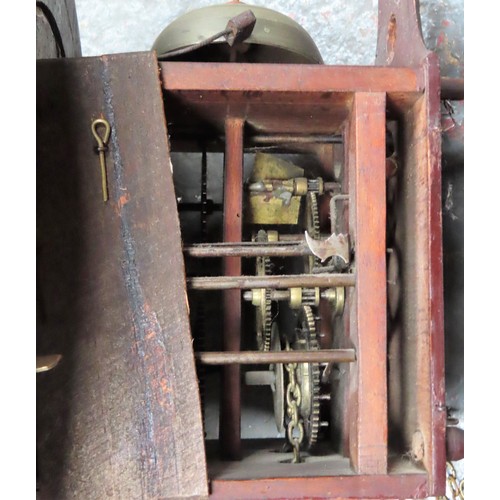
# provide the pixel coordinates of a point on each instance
(456, 488)
(293, 400)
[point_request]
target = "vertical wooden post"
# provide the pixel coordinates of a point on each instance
(435, 464)
(368, 329)
(230, 413)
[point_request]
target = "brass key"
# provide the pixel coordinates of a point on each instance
(102, 147)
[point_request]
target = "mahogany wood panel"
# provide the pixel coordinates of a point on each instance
(262, 78)
(419, 237)
(121, 414)
(399, 40)
(367, 413)
(436, 463)
(335, 487)
(230, 413)
(315, 99)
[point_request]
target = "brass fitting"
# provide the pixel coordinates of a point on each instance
(295, 297)
(272, 236)
(300, 186)
(336, 296)
(257, 296)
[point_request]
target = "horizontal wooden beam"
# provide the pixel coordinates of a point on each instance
(362, 486)
(221, 77)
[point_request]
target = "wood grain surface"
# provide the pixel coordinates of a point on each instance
(120, 417)
(368, 304)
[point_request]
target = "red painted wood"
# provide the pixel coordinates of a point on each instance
(367, 413)
(419, 237)
(437, 462)
(333, 487)
(230, 415)
(399, 41)
(261, 78)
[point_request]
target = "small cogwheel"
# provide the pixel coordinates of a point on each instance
(263, 310)
(313, 229)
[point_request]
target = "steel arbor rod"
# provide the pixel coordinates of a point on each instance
(261, 357)
(250, 249)
(284, 281)
(295, 139)
(452, 88)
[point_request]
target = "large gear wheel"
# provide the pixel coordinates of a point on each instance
(263, 318)
(308, 377)
(313, 228)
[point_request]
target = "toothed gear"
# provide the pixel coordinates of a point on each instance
(310, 297)
(263, 310)
(314, 185)
(312, 226)
(308, 377)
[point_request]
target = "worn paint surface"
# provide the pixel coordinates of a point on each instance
(114, 419)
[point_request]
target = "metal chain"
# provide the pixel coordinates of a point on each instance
(456, 488)
(293, 400)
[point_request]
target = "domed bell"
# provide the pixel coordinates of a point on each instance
(275, 38)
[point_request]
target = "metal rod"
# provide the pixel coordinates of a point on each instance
(295, 139)
(274, 295)
(268, 357)
(282, 281)
(187, 140)
(291, 237)
(249, 249)
(192, 48)
(331, 186)
(452, 88)
(280, 295)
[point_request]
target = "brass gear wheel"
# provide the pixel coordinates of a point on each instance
(312, 226)
(263, 318)
(308, 377)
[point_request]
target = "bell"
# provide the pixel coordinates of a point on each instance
(276, 38)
